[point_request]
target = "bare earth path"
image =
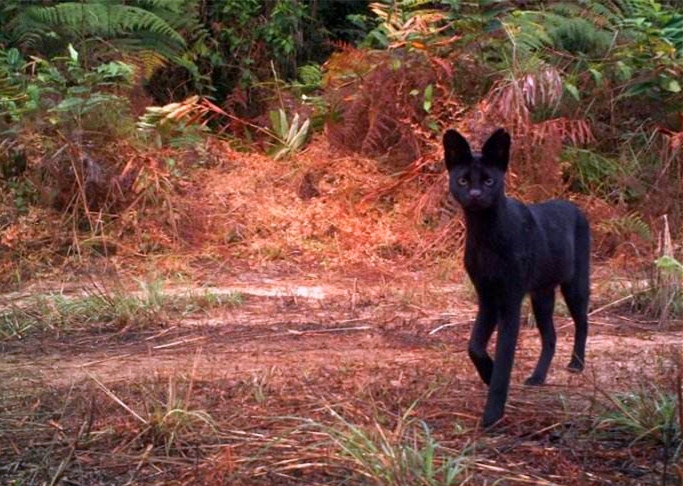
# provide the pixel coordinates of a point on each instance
(81, 408)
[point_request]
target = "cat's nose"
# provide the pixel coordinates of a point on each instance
(475, 193)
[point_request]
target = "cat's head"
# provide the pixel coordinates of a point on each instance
(477, 180)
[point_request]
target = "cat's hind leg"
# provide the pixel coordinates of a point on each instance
(576, 294)
(543, 304)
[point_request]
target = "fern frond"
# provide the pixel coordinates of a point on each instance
(311, 74)
(167, 5)
(107, 21)
(146, 62)
(9, 91)
(564, 27)
(527, 32)
(629, 224)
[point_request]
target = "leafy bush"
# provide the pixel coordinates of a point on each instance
(73, 97)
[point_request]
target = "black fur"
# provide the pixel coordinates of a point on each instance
(513, 249)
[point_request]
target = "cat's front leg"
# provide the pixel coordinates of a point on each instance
(508, 332)
(484, 326)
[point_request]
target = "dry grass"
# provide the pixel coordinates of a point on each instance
(254, 210)
(319, 430)
(286, 390)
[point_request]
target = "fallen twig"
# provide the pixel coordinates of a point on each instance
(336, 329)
(444, 326)
(178, 343)
(617, 302)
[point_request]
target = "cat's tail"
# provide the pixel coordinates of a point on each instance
(577, 291)
(582, 247)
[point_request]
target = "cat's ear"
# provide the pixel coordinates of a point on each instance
(456, 150)
(496, 150)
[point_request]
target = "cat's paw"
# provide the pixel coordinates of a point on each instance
(493, 413)
(575, 366)
(490, 421)
(534, 380)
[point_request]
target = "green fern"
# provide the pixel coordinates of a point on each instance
(591, 28)
(70, 21)
(591, 172)
(564, 27)
(630, 224)
(311, 75)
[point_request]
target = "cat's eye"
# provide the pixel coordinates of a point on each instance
(488, 182)
(462, 181)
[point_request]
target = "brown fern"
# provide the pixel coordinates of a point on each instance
(378, 98)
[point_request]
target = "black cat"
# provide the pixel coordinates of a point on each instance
(513, 249)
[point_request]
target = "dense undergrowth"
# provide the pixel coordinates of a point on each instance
(348, 103)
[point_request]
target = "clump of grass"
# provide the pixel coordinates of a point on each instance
(106, 309)
(408, 454)
(208, 299)
(647, 416)
(98, 307)
(663, 296)
(170, 422)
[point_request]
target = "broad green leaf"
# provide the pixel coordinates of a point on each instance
(429, 92)
(284, 126)
(73, 53)
(672, 85)
(670, 264)
(274, 120)
(597, 76)
(573, 90)
(301, 136)
(293, 128)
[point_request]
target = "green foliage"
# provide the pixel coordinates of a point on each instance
(250, 24)
(593, 173)
(639, 40)
(404, 23)
(102, 308)
(67, 95)
(98, 308)
(660, 295)
(613, 66)
(111, 24)
(311, 78)
(174, 125)
(670, 266)
(168, 424)
(24, 193)
(666, 288)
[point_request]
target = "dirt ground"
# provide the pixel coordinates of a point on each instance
(257, 387)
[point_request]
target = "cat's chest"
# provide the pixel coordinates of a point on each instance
(496, 261)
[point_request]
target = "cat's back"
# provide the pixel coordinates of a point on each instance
(558, 214)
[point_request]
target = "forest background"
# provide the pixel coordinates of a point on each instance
(109, 108)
